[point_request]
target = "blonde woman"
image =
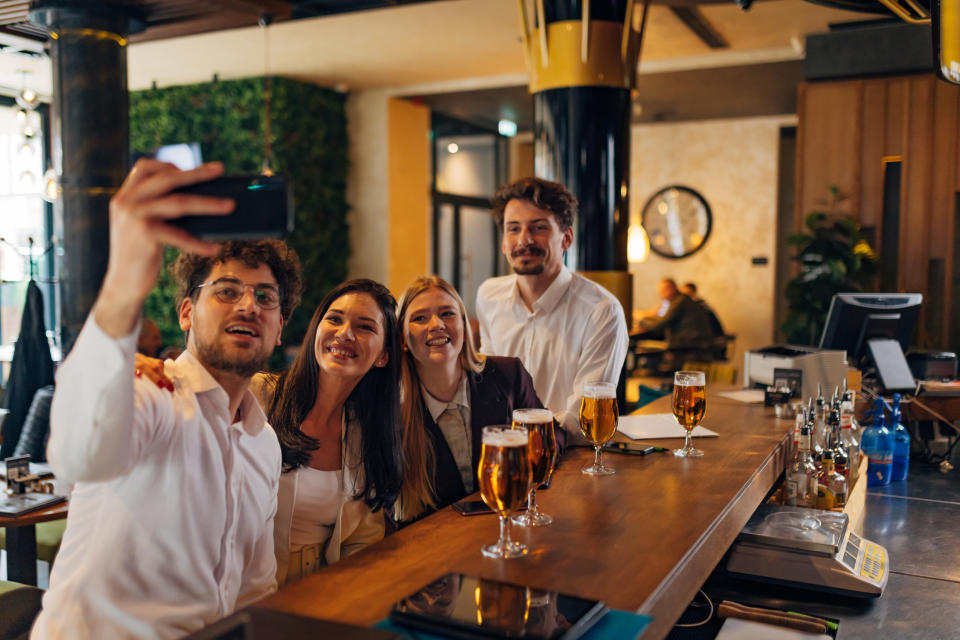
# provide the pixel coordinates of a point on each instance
(450, 392)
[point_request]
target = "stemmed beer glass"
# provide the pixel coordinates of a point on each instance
(543, 457)
(504, 478)
(598, 422)
(689, 405)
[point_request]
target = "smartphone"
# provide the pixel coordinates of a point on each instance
(263, 208)
(629, 448)
(476, 508)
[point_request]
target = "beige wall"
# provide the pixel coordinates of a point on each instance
(732, 163)
(388, 188)
(367, 192)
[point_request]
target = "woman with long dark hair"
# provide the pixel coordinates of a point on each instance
(335, 412)
(450, 392)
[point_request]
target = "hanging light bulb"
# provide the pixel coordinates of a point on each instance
(28, 99)
(638, 244)
(21, 115)
(51, 186)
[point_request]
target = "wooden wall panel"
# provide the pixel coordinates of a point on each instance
(916, 192)
(898, 90)
(829, 152)
(915, 118)
(873, 149)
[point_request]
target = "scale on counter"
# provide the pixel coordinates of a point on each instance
(809, 548)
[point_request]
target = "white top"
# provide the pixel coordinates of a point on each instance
(576, 333)
(170, 522)
(315, 506)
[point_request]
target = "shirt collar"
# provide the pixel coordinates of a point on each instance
(551, 297)
(199, 380)
(436, 407)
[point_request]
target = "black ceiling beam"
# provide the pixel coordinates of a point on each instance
(699, 24)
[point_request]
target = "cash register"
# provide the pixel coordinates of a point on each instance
(809, 548)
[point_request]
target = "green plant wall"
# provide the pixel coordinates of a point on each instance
(309, 143)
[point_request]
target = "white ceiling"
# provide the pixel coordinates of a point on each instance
(471, 42)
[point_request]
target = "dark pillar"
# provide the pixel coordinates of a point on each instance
(89, 142)
(582, 58)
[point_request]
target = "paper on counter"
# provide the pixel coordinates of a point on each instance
(737, 629)
(652, 426)
(752, 396)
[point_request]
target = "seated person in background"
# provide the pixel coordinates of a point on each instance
(170, 518)
(566, 329)
(690, 290)
(336, 412)
(149, 342)
(685, 325)
(450, 392)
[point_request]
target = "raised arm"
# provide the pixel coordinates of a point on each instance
(97, 429)
(601, 358)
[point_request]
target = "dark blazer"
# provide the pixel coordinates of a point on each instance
(502, 386)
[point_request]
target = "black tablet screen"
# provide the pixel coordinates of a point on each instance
(481, 607)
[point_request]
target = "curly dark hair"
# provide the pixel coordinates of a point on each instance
(373, 405)
(543, 194)
(190, 270)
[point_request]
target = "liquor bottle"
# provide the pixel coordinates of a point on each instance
(901, 443)
(877, 445)
(831, 485)
(818, 437)
(850, 437)
(840, 456)
(801, 481)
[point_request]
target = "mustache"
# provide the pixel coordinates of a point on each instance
(529, 251)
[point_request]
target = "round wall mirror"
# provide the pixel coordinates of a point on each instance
(677, 221)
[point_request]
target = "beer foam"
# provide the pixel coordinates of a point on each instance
(599, 390)
(689, 381)
(506, 438)
(532, 415)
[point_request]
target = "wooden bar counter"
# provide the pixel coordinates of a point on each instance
(641, 540)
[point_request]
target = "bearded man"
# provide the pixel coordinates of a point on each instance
(171, 517)
(566, 329)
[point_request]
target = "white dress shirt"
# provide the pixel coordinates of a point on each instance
(576, 333)
(171, 519)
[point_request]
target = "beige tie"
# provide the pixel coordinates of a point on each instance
(455, 432)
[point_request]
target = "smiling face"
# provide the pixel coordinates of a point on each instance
(235, 338)
(533, 242)
(351, 337)
(433, 328)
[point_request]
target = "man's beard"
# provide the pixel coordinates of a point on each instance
(243, 365)
(530, 271)
(534, 270)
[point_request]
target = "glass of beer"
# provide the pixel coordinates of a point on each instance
(689, 405)
(543, 457)
(504, 478)
(598, 422)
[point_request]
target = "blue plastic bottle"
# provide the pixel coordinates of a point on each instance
(901, 443)
(877, 444)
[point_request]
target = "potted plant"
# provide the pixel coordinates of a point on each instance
(834, 257)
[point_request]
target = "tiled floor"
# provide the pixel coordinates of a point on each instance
(918, 521)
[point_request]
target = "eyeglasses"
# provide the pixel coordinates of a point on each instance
(230, 290)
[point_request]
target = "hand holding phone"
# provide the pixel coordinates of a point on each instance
(262, 208)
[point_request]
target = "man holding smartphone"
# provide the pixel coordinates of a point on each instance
(170, 523)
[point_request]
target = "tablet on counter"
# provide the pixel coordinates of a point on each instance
(459, 606)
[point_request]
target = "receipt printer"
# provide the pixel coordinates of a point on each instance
(819, 366)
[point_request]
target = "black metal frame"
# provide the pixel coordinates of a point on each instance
(442, 125)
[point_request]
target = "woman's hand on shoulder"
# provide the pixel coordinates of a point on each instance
(151, 369)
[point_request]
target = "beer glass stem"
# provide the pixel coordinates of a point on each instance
(687, 443)
(596, 457)
(504, 532)
(532, 503)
